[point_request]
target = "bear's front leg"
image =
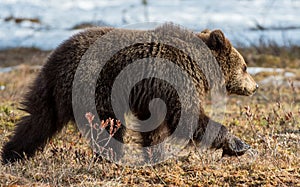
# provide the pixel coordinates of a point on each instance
(211, 134)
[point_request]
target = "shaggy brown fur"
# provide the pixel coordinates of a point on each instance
(49, 102)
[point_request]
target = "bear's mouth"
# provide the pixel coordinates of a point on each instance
(243, 91)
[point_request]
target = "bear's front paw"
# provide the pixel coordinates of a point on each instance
(234, 147)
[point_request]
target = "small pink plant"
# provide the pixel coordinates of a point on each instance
(114, 126)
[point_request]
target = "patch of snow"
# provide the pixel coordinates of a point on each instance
(239, 19)
(9, 69)
(255, 70)
(278, 81)
(6, 70)
(281, 78)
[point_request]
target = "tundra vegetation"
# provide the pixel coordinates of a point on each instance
(269, 121)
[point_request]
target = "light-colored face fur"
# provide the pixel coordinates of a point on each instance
(237, 79)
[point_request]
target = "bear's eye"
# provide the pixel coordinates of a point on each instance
(244, 68)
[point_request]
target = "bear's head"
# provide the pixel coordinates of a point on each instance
(237, 79)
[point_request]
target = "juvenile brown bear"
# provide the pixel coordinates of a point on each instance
(49, 102)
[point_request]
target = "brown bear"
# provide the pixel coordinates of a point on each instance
(49, 101)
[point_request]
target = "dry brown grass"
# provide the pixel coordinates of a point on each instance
(272, 55)
(17, 56)
(269, 121)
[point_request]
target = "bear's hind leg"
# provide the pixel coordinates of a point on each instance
(28, 137)
(33, 131)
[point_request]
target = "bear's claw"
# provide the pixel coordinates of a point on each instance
(234, 147)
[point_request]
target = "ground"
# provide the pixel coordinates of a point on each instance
(269, 121)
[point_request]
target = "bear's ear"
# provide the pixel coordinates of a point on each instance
(204, 35)
(205, 31)
(218, 42)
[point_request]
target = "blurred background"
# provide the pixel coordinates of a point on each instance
(44, 24)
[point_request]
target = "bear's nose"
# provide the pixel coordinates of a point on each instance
(256, 87)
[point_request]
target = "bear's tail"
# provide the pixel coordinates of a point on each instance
(33, 131)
